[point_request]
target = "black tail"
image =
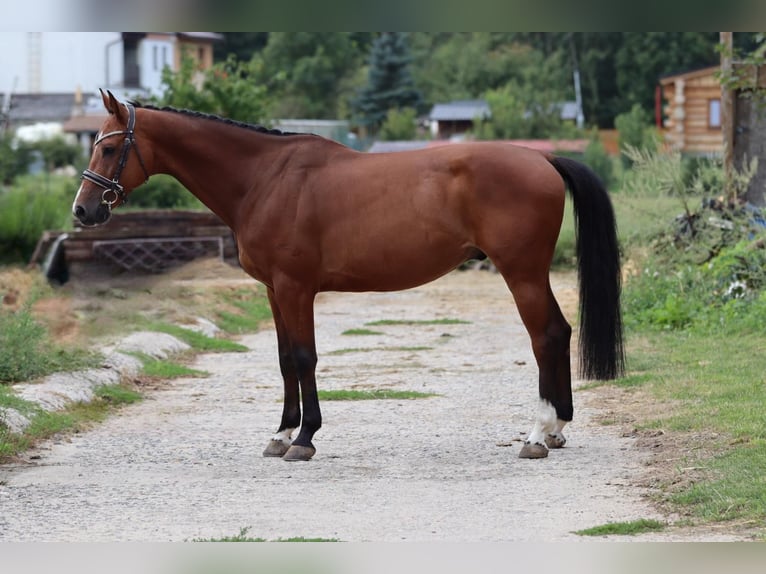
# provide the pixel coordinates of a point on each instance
(598, 255)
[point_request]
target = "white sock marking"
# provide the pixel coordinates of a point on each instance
(546, 423)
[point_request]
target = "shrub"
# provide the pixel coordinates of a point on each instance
(598, 160)
(399, 125)
(26, 351)
(23, 344)
(29, 207)
(635, 131)
(163, 192)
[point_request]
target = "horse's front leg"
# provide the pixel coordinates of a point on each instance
(296, 310)
(291, 411)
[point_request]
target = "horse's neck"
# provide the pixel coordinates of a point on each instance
(212, 160)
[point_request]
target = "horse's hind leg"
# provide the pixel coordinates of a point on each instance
(550, 334)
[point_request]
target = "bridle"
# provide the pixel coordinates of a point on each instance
(113, 185)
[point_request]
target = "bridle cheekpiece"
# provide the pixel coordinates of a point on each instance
(113, 185)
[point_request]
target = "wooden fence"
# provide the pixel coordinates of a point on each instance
(148, 240)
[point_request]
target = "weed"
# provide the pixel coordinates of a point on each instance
(26, 351)
(164, 369)
(624, 528)
(199, 341)
(243, 536)
(361, 332)
(376, 394)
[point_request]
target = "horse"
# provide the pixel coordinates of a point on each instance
(311, 215)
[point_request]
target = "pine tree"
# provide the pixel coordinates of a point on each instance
(389, 85)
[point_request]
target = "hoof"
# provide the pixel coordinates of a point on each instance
(276, 448)
(533, 450)
(555, 440)
(297, 452)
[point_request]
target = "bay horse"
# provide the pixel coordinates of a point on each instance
(312, 215)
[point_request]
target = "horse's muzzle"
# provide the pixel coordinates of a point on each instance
(91, 217)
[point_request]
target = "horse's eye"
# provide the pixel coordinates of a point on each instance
(107, 150)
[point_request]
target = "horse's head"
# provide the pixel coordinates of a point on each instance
(113, 171)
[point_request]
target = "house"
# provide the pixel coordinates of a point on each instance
(133, 66)
(136, 60)
(688, 110)
(456, 118)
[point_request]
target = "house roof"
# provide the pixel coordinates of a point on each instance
(87, 123)
(204, 36)
(688, 75)
(384, 147)
(576, 145)
(460, 110)
(31, 108)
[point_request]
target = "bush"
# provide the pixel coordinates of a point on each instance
(26, 351)
(28, 208)
(706, 268)
(22, 347)
(598, 160)
(635, 131)
(13, 161)
(399, 125)
(163, 192)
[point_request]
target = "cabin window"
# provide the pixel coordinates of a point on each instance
(714, 114)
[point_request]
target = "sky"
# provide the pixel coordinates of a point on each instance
(68, 60)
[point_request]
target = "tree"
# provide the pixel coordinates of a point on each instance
(306, 73)
(242, 45)
(227, 89)
(389, 81)
(399, 125)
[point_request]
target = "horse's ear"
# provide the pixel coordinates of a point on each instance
(112, 104)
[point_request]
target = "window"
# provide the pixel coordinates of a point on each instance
(714, 114)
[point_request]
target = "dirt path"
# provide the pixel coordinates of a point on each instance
(186, 463)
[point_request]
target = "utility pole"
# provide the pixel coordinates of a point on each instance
(727, 113)
(576, 76)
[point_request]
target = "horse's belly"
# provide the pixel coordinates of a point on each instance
(385, 268)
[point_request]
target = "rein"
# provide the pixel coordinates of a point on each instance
(113, 185)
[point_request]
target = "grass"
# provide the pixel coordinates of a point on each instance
(624, 528)
(198, 341)
(445, 321)
(243, 536)
(362, 332)
(46, 424)
(371, 349)
(248, 312)
(27, 352)
(164, 369)
(375, 394)
(720, 393)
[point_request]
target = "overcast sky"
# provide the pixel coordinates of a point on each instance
(67, 60)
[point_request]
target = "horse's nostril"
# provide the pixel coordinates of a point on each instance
(79, 211)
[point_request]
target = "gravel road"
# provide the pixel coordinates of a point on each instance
(186, 463)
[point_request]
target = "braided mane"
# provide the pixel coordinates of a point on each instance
(215, 118)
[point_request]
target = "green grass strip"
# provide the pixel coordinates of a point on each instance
(361, 332)
(244, 537)
(624, 528)
(371, 395)
(45, 424)
(199, 341)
